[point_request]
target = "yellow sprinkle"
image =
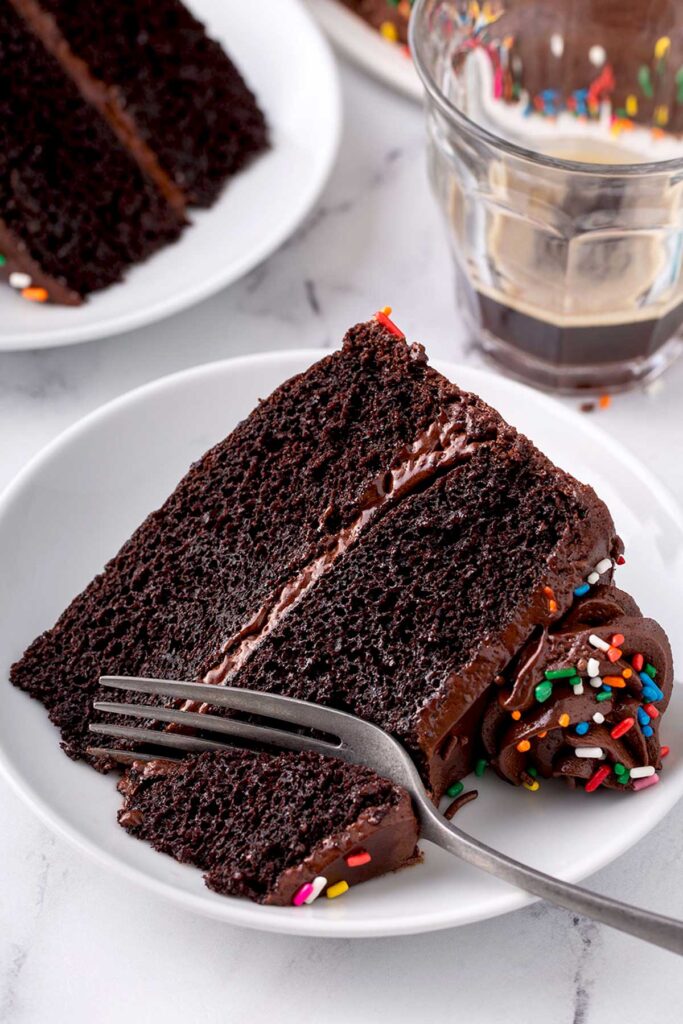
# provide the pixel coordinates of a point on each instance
(389, 31)
(564, 721)
(337, 890)
(532, 786)
(516, 715)
(631, 105)
(523, 746)
(387, 310)
(662, 114)
(662, 47)
(474, 11)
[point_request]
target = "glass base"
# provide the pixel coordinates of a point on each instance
(597, 379)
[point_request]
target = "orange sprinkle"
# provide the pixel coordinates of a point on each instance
(614, 681)
(564, 721)
(542, 735)
(618, 639)
(34, 294)
(552, 606)
(549, 592)
(604, 401)
(516, 715)
(627, 673)
(523, 746)
(387, 310)
(614, 654)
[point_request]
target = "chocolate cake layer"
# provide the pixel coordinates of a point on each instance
(371, 537)
(75, 208)
(263, 826)
(179, 91)
(584, 696)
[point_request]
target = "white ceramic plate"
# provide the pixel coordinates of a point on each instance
(281, 53)
(365, 47)
(72, 507)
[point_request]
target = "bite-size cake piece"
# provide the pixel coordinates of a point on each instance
(279, 829)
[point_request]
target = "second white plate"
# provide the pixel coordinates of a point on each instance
(281, 53)
(75, 504)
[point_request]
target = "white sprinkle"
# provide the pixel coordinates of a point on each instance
(642, 773)
(604, 565)
(589, 752)
(517, 65)
(593, 667)
(598, 642)
(19, 280)
(578, 689)
(596, 683)
(597, 56)
(592, 578)
(318, 884)
(556, 44)
(598, 718)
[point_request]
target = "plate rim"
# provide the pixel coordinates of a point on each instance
(241, 912)
(179, 300)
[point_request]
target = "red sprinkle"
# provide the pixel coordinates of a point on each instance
(384, 320)
(664, 751)
(614, 653)
(598, 779)
(638, 661)
(623, 727)
(356, 860)
(618, 639)
(651, 710)
(621, 560)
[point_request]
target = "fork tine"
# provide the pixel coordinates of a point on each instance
(125, 756)
(225, 726)
(267, 705)
(158, 739)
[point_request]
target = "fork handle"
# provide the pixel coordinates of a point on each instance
(665, 932)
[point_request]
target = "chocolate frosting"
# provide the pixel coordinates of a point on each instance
(553, 744)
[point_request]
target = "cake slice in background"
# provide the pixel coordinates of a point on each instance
(276, 828)
(371, 537)
(156, 75)
(75, 207)
(113, 120)
(389, 17)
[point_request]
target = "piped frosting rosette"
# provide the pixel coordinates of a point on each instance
(583, 699)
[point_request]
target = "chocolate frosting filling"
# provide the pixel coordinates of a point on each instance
(545, 727)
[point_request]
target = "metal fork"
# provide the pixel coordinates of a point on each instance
(359, 742)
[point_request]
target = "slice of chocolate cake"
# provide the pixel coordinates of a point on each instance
(152, 70)
(370, 537)
(75, 208)
(111, 122)
(278, 829)
(584, 698)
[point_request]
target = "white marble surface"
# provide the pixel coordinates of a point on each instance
(79, 945)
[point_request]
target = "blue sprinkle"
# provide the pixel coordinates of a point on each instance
(606, 688)
(651, 691)
(583, 589)
(643, 717)
(647, 731)
(582, 728)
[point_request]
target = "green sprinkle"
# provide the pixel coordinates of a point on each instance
(621, 112)
(620, 769)
(679, 85)
(651, 670)
(455, 790)
(623, 779)
(603, 695)
(645, 81)
(480, 766)
(3, 260)
(533, 772)
(543, 691)
(560, 673)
